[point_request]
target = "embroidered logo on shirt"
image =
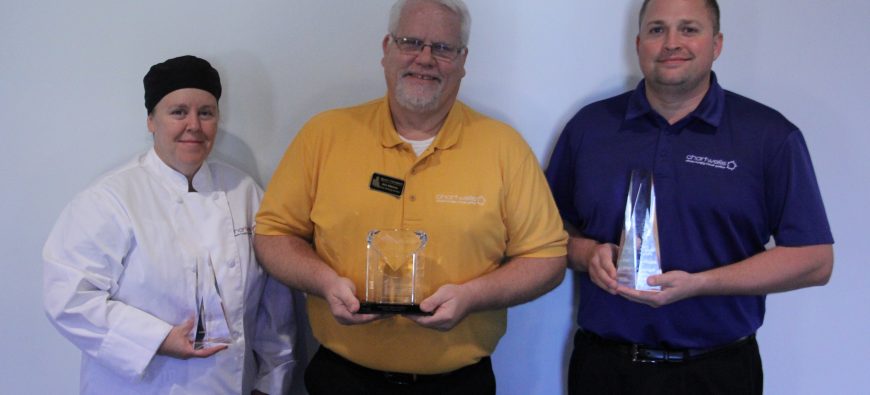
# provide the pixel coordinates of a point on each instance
(247, 230)
(715, 163)
(456, 199)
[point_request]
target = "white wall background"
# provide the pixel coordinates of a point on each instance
(71, 108)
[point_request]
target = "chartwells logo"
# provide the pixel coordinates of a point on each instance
(717, 163)
(456, 199)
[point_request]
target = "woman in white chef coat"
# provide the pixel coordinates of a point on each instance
(141, 259)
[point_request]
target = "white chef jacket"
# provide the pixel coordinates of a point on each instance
(120, 272)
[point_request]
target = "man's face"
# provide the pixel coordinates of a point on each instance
(676, 45)
(419, 82)
(184, 124)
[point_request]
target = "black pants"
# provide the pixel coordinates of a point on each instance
(330, 374)
(598, 368)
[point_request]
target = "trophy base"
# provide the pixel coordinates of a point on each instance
(388, 308)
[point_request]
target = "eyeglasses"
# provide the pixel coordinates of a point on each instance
(441, 51)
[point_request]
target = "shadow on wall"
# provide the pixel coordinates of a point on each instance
(232, 150)
(247, 110)
(609, 87)
(608, 90)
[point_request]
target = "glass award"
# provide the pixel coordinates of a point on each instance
(211, 327)
(639, 250)
(394, 268)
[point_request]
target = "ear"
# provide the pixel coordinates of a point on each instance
(150, 122)
(386, 43)
(637, 44)
(717, 45)
(463, 57)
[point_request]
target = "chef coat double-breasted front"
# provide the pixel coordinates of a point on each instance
(120, 270)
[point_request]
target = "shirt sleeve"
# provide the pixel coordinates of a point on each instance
(287, 203)
(83, 262)
(560, 176)
(534, 227)
(796, 212)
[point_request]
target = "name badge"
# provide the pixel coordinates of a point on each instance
(387, 184)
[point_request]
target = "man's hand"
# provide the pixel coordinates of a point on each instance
(676, 285)
(519, 280)
(601, 265)
(450, 305)
(178, 345)
(340, 293)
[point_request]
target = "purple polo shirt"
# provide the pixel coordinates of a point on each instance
(728, 176)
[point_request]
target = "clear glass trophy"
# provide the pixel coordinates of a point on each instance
(639, 250)
(394, 270)
(211, 327)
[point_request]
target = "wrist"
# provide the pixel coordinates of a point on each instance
(704, 283)
(324, 280)
(580, 252)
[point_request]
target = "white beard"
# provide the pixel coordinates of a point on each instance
(417, 101)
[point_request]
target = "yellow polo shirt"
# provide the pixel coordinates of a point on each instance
(477, 191)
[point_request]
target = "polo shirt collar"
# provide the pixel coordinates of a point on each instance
(710, 109)
(177, 182)
(447, 136)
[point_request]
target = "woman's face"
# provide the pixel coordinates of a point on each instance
(184, 124)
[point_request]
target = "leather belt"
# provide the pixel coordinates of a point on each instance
(645, 354)
(391, 377)
(405, 378)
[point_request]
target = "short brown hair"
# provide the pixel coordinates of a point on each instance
(712, 6)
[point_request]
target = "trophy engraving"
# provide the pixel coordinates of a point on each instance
(393, 271)
(639, 251)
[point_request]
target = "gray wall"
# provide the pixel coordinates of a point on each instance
(71, 108)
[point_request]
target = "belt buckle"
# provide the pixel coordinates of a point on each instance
(637, 357)
(646, 355)
(400, 378)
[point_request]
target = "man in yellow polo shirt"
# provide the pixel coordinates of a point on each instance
(417, 159)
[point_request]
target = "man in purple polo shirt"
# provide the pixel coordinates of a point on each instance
(729, 174)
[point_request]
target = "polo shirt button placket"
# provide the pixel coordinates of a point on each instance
(661, 166)
(412, 197)
(662, 146)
